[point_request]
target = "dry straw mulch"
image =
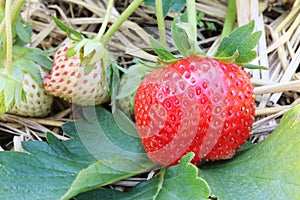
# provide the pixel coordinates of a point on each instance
(276, 89)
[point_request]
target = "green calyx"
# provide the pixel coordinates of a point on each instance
(9, 89)
(15, 58)
(25, 60)
(93, 49)
(236, 46)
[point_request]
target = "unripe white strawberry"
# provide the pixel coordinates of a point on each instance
(126, 103)
(37, 103)
(129, 83)
(70, 81)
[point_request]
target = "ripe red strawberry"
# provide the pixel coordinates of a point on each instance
(196, 104)
(69, 80)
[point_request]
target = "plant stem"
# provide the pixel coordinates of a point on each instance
(160, 22)
(230, 19)
(191, 10)
(9, 45)
(105, 20)
(2, 5)
(116, 25)
(14, 10)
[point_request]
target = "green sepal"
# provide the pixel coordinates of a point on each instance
(74, 35)
(161, 51)
(23, 95)
(88, 69)
(93, 45)
(29, 67)
(136, 73)
(18, 93)
(9, 88)
(243, 40)
(187, 28)
(28, 60)
(23, 30)
(39, 57)
(180, 38)
(251, 66)
(71, 52)
(90, 52)
(229, 58)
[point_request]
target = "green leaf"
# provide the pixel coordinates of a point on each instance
(98, 154)
(175, 5)
(178, 5)
(44, 174)
(180, 38)
(101, 173)
(161, 51)
(177, 182)
(23, 30)
(107, 138)
(241, 40)
(70, 32)
(125, 123)
(270, 170)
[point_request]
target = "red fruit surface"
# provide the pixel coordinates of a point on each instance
(196, 104)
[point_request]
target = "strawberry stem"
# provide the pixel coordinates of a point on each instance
(230, 18)
(191, 10)
(2, 5)
(160, 22)
(9, 41)
(105, 20)
(14, 10)
(116, 25)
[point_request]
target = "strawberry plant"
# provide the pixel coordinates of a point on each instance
(22, 68)
(197, 104)
(80, 73)
(174, 129)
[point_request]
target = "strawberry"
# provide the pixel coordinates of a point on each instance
(126, 103)
(22, 91)
(21, 70)
(79, 67)
(69, 80)
(37, 103)
(196, 104)
(129, 84)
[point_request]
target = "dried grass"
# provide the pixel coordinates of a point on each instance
(277, 89)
